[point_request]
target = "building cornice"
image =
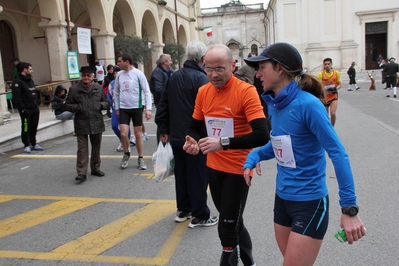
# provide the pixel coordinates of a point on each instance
(366, 14)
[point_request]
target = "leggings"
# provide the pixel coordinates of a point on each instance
(115, 125)
(229, 193)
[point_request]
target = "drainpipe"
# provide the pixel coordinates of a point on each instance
(69, 35)
(177, 29)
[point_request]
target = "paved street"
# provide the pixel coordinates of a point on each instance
(126, 218)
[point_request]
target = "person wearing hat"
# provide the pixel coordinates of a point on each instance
(114, 117)
(15, 61)
(301, 135)
(331, 80)
(391, 71)
(235, 123)
(87, 99)
(352, 76)
(26, 99)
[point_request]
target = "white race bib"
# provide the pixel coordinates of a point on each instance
(282, 148)
(217, 127)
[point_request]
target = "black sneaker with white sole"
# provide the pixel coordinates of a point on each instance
(182, 216)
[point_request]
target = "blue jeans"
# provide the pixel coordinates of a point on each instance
(66, 115)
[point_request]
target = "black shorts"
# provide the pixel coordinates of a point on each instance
(308, 218)
(136, 116)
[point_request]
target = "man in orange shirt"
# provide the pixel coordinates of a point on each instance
(331, 80)
(235, 123)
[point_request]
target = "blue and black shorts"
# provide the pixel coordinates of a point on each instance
(308, 218)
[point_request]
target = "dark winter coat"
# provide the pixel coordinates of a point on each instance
(24, 93)
(57, 102)
(175, 110)
(159, 78)
(87, 106)
(351, 72)
(391, 69)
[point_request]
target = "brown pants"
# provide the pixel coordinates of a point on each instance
(82, 160)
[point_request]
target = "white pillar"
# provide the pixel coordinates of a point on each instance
(56, 37)
(348, 46)
(104, 41)
(314, 49)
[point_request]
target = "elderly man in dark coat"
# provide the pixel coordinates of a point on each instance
(86, 99)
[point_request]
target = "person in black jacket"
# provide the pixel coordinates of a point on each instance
(173, 118)
(352, 76)
(391, 71)
(58, 104)
(86, 99)
(26, 99)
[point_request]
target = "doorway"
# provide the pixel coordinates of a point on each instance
(376, 43)
(7, 50)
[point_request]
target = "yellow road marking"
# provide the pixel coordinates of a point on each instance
(37, 156)
(104, 238)
(90, 246)
(40, 215)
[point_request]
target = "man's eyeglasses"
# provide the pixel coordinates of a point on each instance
(218, 70)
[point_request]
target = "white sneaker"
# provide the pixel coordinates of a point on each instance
(145, 137)
(120, 147)
(124, 162)
(37, 147)
(27, 149)
(142, 165)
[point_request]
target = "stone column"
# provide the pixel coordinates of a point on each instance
(314, 49)
(56, 37)
(348, 46)
(104, 43)
(3, 102)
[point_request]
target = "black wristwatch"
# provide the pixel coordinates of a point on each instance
(351, 210)
(225, 142)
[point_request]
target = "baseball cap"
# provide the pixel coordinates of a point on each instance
(88, 69)
(283, 53)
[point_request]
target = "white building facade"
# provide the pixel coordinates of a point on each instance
(345, 30)
(240, 27)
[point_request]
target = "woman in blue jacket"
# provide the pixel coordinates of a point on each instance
(301, 134)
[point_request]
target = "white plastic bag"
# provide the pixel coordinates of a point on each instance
(163, 161)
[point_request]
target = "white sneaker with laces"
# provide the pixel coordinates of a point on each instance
(213, 220)
(120, 147)
(145, 137)
(124, 162)
(27, 149)
(37, 147)
(142, 165)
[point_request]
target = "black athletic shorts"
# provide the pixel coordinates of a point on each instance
(308, 218)
(134, 115)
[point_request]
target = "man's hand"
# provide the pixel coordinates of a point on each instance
(191, 146)
(208, 145)
(148, 114)
(164, 138)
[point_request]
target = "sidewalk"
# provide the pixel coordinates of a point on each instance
(49, 128)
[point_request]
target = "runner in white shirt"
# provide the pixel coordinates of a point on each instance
(131, 92)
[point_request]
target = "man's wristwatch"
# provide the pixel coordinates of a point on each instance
(351, 210)
(225, 142)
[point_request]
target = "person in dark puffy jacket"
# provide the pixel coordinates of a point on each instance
(26, 99)
(58, 104)
(173, 118)
(86, 99)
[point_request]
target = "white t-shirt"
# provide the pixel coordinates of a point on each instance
(100, 73)
(131, 90)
